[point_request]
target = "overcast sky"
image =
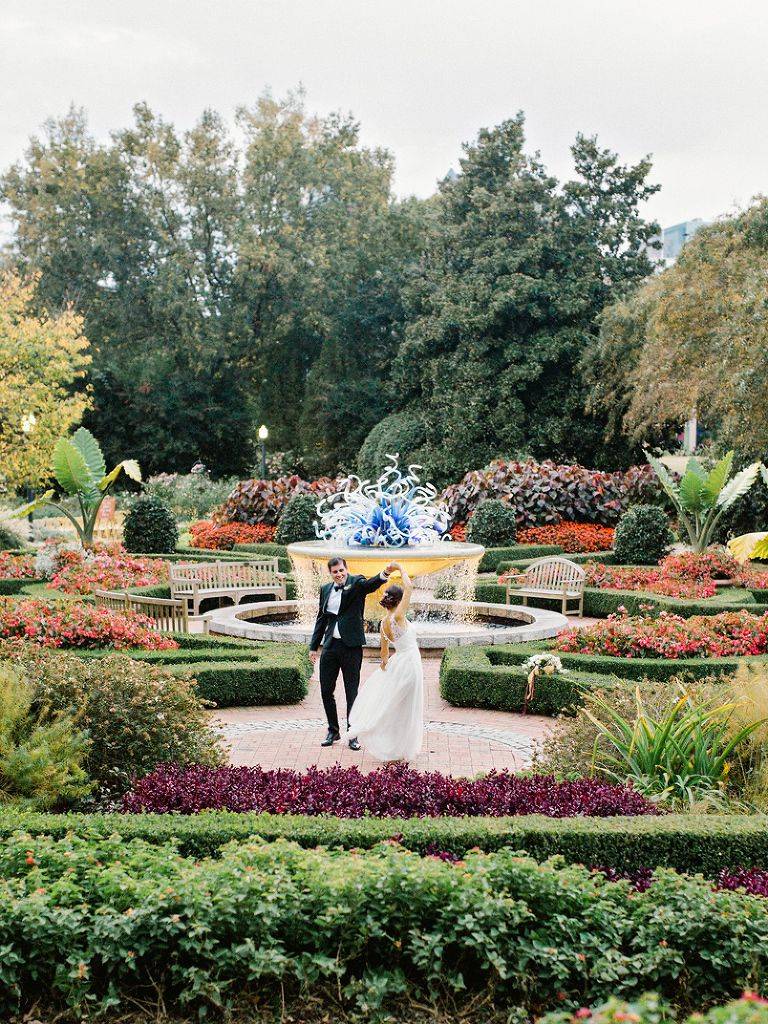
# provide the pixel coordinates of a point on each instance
(684, 80)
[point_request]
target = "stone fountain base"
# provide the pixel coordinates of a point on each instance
(489, 623)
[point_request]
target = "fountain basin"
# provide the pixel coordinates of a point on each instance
(489, 624)
(417, 561)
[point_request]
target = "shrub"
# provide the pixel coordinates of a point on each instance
(392, 791)
(189, 495)
(642, 536)
(80, 572)
(10, 538)
(545, 492)
(224, 536)
(77, 625)
(570, 537)
(262, 501)
(136, 715)
(401, 433)
(356, 928)
(730, 634)
(150, 527)
(40, 761)
(297, 520)
(492, 524)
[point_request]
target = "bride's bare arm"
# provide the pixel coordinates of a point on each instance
(384, 646)
(407, 585)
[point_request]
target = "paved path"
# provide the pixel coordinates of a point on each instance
(457, 741)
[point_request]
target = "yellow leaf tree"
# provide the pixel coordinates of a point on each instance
(43, 362)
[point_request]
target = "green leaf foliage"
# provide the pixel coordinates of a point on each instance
(70, 468)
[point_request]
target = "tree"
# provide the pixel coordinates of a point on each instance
(43, 361)
(515, 274)
(694, 338)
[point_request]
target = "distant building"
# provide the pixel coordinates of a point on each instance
(665, 247)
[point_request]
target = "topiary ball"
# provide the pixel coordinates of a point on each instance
(493, 524)
(297, 521)
(150, 527)
(642, 536)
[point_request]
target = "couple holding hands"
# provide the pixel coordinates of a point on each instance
(387, 717)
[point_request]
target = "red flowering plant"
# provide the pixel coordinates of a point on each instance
(730, 634)
(68, 624)
(224, 536)
(689, 575)
(571, 537)
(16, 567)
(79, 572)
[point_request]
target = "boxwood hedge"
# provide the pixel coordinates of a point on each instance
(686, 842)
(234, 673)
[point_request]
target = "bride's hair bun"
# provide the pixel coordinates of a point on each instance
(391, 597)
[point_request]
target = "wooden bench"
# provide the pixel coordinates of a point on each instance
(196, 581)
(553, 578)
(167, 615)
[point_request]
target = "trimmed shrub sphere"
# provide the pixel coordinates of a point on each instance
(493, 524)
(642, 536)
(297, 521)
(150, 527)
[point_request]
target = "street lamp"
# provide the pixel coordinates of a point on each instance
(27, 426)
(263, 435)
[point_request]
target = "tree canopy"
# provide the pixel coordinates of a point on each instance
(694, 337)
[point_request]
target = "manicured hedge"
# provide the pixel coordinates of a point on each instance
(12, 587)
(473, 677)
(91, 923)
(601, 603)
(266, 550)
(520, 564)
(687, 842)
(492, 557)
(625, 668)
(235, 673)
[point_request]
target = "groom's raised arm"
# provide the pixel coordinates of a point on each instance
(374, 582)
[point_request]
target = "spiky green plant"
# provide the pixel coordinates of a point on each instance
(79, 469)
(701, 498)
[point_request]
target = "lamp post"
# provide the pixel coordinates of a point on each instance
(263, 435)
(27, 426)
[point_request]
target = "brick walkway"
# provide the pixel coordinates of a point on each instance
(457, 741)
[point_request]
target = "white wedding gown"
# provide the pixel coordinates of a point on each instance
(388, 714)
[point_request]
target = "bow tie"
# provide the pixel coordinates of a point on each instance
(338, 586)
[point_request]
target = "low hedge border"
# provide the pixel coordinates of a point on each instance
(686, 842)
(602, 603)
(472, 677)
(492, 557)
(625, 668)
(520, 564)
(233, 673)
(12, 587)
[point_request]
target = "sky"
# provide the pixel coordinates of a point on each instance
(683, 80)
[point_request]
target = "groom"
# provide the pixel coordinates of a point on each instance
(339, 628)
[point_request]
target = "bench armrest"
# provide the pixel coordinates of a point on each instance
(515, 576)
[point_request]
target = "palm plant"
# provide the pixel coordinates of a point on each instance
(80, 471)
(680, 757)
(701, 498)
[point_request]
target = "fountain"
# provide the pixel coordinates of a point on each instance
(370, 524)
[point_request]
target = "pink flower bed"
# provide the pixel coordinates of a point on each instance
(730, 634)
(113, 569)
(16, 567)
(685, 576)
(78, 625)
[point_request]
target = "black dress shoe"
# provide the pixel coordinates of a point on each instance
(354, 745)
(330, 739)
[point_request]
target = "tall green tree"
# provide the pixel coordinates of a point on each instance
(516, 272)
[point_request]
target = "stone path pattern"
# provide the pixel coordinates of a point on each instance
(457, 741)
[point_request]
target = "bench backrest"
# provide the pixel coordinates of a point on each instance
(226, 574)
(553, 572)
(115, 600)
(165, 614)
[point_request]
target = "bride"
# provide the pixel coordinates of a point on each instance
(388, 715)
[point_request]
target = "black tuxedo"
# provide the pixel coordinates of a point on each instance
(343, 655)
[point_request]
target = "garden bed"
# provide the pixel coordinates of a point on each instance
(86, 920)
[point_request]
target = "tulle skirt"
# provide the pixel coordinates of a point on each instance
(388, 714)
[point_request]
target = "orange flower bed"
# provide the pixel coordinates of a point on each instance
(571, 537)
(224, 536)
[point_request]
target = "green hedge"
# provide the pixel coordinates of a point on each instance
(234, 673)
(12, 587)
(519, 564)
(625, 668)
(492, 557)
(94, 923)
(601, 603)
(266, 550)
(693, 843)
(473, 677)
